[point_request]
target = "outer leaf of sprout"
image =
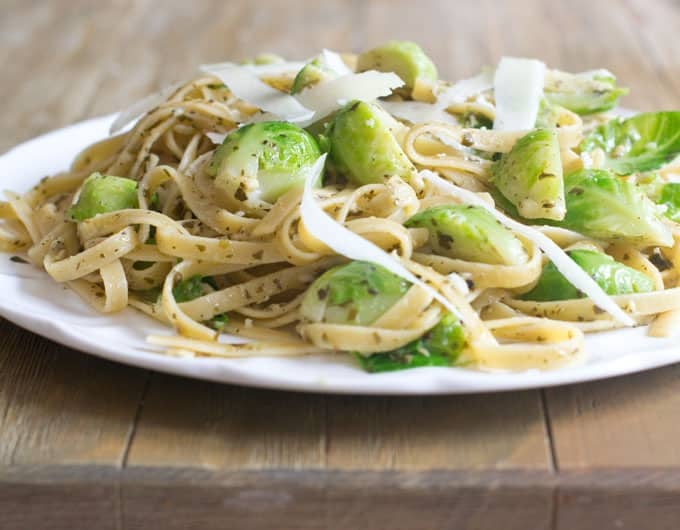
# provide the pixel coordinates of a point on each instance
(469, 233)
(670, 198)
(441, 346)
(641, 143)
(604, 206)
(614, 278)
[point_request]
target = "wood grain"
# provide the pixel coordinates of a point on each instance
(58, 406)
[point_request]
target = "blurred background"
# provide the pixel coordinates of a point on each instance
(65, 60)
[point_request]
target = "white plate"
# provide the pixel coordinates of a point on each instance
(32, 300)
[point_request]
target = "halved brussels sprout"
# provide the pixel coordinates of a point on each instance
(103, 194)
(583, 93)
(259, 162)
(310, 74)
(530, 176)
(469, 233)
(355, 294)
(614, 278)
(441, 346)
(604, 206)
(404, 58)
(641, 143)
(363, 145)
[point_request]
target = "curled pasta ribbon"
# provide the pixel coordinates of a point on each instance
(485, 275)
(583, 309)
(92, 259)
(186, 246)
(541, 344)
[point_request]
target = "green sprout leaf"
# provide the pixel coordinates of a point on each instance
(641, 143)
(441, 346)
(613, 277)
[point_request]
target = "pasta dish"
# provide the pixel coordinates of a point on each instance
(359, 204)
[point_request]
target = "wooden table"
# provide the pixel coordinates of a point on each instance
(85, 443)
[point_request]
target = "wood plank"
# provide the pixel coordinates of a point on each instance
(487, 431)
(338, 501)
(62, 407)
(614, 499)
(623, 423)
(188, 423)
(259, 500)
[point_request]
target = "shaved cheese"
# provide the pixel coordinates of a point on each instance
(247, 86)
(144, 105)
(417, 112)
(465, 89)
(568, 267)
(518, 89)
(215, 137)
(334, 63)
(328, 96)
(346, 243)
(420, 112)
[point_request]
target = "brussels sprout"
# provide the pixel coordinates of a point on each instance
(612, 276)
(404, 58)
(310, 74)
(363, 145)
(357, 294)
(261, 161)
(583, 93)
(102, 194)
(641, 143)
(469, 233)
(530, 176)
(441, 346)
(604, 206)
